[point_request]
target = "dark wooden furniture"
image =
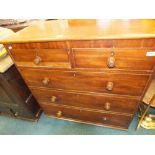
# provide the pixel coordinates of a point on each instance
(16, 99)
(89, 71)
(16, 24)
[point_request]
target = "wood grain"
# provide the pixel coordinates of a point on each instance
(57, 58)
(125, 84)
(92, 117)
(84, 30)
(127, 59)
(117, 103)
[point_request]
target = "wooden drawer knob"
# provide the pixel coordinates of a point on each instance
(10, 47)
(109, 86)
(111, 61)
(104, 118)
(107, 106)
(37, 60)
(45, 81)
(53, 99)
(59, 114)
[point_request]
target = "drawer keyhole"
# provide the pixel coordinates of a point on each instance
(111, 60)
(37, 60)
(109, 86)
(45, 81)
(53, 99)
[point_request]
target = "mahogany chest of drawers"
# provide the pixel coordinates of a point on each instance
(89, 71)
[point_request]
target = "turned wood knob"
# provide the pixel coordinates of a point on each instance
(111, 61)
(109, 86)
(53, 99)
(104, 118)
(59, 114)
(107, 106)
(10, 47)
(45, 81)
(37, 60)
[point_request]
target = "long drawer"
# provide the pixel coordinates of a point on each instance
(102, 82)
(56, 58)
(92, 101)
(128, 59)
(86, 116)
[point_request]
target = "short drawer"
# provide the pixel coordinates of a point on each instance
(86, 116)
(128, 59)
(57, 58)
(99, 102)
(101, 82)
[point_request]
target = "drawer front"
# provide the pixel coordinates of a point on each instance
(126, 84)
(98, 102)
(41, 58)
(113, 120)
(129, 59)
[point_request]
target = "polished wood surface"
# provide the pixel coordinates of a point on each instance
(126, 84)
(90, 71)
(87, 116)
(85, 29)
(101, 102)
(42, 58)
(129, 59)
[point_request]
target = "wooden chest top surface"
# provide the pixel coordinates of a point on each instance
(84, 30)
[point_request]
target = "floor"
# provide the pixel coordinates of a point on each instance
(51, 126)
